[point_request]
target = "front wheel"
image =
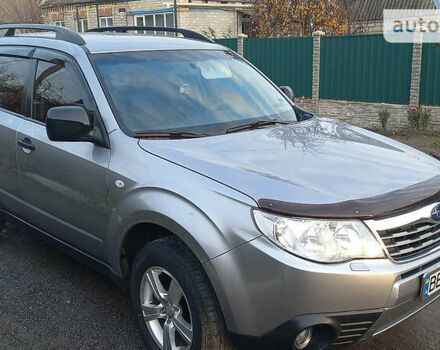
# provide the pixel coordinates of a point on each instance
(174, 304)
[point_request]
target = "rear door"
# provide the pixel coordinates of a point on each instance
(15, 70)
(63, 184)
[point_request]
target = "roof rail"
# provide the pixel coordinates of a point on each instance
(62, 33)
(185, 32)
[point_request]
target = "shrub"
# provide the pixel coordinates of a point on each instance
(384, 116)
(419, 118)
(305, 100)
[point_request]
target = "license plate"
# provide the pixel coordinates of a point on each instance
(431, 285)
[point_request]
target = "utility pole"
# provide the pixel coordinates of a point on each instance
(78, 21)
(175, 13)
(97, 15)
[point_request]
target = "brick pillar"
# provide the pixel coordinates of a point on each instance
(240, 43)
(316, 64)
(92, 17)
(69, 20)
(416, 70)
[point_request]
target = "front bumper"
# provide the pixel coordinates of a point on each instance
(263, 289)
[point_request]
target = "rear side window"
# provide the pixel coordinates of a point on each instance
(58, 85)
(13, 75)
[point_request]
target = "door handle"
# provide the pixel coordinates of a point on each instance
(26, 143)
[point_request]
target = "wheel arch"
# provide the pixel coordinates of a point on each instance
(150, 214)
(153, 227)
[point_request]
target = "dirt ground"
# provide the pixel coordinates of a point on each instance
(429, 143)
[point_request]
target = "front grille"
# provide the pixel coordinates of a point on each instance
(354, 327)
(412, 240)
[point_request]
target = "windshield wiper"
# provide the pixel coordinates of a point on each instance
(255, 125)
(169, 135)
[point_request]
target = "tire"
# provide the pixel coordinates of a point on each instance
(169, 259)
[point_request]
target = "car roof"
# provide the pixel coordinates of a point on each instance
(98, 43)
(110, 42)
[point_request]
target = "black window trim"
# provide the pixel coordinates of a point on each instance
(29, 90)
(17, 51)
(53, 57)
(56, 57)
(15, 114)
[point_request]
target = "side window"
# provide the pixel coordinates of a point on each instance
(13, 75)
(58, 85)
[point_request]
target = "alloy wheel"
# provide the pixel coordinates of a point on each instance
(166, 310)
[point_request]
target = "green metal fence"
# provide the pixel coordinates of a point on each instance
(430, 79)
(231, 43)
(286, 61)
(365, 68)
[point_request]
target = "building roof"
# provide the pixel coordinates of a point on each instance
(372, 10)
(57, 3)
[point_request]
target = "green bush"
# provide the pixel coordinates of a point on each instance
(384, 116)
(419, 118)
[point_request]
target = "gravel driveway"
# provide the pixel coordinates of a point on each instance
(48, 301)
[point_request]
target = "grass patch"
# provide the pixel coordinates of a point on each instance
(429, 143)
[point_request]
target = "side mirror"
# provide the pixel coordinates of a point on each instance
(69, 124)
(288, 91)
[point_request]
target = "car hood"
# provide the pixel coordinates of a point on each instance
(318, 161)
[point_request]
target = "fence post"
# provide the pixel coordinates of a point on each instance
(416, 71)
(316, 63)
(240, 43)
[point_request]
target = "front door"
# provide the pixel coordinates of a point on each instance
(64, 184)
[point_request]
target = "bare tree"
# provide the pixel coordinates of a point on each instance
(20, 11)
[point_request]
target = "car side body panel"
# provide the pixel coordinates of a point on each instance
(63, 188)
(159, 192)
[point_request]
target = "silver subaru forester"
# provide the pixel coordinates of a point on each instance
(177, 168)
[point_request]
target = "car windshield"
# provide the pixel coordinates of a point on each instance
(203, 92)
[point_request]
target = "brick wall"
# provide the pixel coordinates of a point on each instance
(365, 114)
(69, 19)
(371, 27)
(224, 22)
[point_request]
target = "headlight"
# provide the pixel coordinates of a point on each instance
(320, 240)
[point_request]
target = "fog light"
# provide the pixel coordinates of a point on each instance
(303, 339)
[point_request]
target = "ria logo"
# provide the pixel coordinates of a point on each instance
(435, 214)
